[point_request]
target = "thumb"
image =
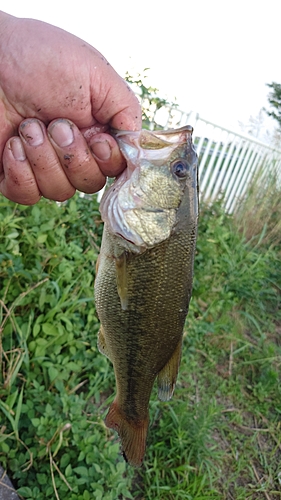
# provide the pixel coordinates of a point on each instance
(120, 107)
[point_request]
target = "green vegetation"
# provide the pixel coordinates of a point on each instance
(54, 383)
(220, 435)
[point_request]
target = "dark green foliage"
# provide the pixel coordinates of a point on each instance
(218, 438)
(274, 99)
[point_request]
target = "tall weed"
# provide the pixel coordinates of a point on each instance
(258, 215)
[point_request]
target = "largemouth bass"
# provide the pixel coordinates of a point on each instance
(144, 274)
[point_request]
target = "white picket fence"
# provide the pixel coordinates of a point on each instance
(228, 162)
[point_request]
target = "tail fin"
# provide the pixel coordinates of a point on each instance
(132, 434)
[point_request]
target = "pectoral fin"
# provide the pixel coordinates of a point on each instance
(102, 343)
(122, 279)
(168, 375)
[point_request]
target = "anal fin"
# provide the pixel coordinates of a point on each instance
(168, 375)
(132, 434)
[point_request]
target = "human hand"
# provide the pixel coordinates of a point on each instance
(58, 97)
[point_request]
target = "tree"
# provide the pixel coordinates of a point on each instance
(274, 99)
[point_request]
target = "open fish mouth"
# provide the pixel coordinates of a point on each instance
(131, 206)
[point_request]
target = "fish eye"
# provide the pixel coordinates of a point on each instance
(180, 168)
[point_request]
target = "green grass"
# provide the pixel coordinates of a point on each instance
(220, 435)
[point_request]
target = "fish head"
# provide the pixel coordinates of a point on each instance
(141, 207)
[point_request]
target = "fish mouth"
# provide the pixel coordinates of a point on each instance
(153, 139)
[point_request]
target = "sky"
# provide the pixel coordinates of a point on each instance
(213, 57)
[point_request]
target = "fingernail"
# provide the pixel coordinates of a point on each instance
(32, 133)
(101, 149)
(17, 149)
(61, 133)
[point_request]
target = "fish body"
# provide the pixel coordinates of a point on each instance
(144, 278)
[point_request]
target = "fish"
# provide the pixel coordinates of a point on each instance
(144, 274)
